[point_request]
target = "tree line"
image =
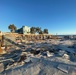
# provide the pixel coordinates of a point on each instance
(33, 30)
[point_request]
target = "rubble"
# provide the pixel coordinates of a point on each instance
(66, 56)
(63, 68)
(55, 52)
(1, 67)
(49, 54)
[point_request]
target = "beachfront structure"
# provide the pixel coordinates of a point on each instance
(23, 30)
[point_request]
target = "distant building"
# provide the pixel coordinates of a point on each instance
(23, 30)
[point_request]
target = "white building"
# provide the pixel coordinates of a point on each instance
(24, 30)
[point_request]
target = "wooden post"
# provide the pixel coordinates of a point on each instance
(1, 44)
(1, 51)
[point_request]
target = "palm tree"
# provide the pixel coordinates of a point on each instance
(12, 27)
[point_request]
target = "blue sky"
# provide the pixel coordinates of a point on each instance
(58, 16)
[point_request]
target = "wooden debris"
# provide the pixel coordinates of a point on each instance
(63, 68)
(1, 67)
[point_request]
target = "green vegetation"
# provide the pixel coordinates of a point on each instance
(33, 30)
(12, 27)
(38, 30)
(45, 31)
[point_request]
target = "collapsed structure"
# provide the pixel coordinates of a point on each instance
(14, 39)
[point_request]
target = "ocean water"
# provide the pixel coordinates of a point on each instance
(62, 36)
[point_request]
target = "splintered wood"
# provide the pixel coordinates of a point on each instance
(1, 44)
(1, 51)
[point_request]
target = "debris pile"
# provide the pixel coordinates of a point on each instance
(55, 56)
